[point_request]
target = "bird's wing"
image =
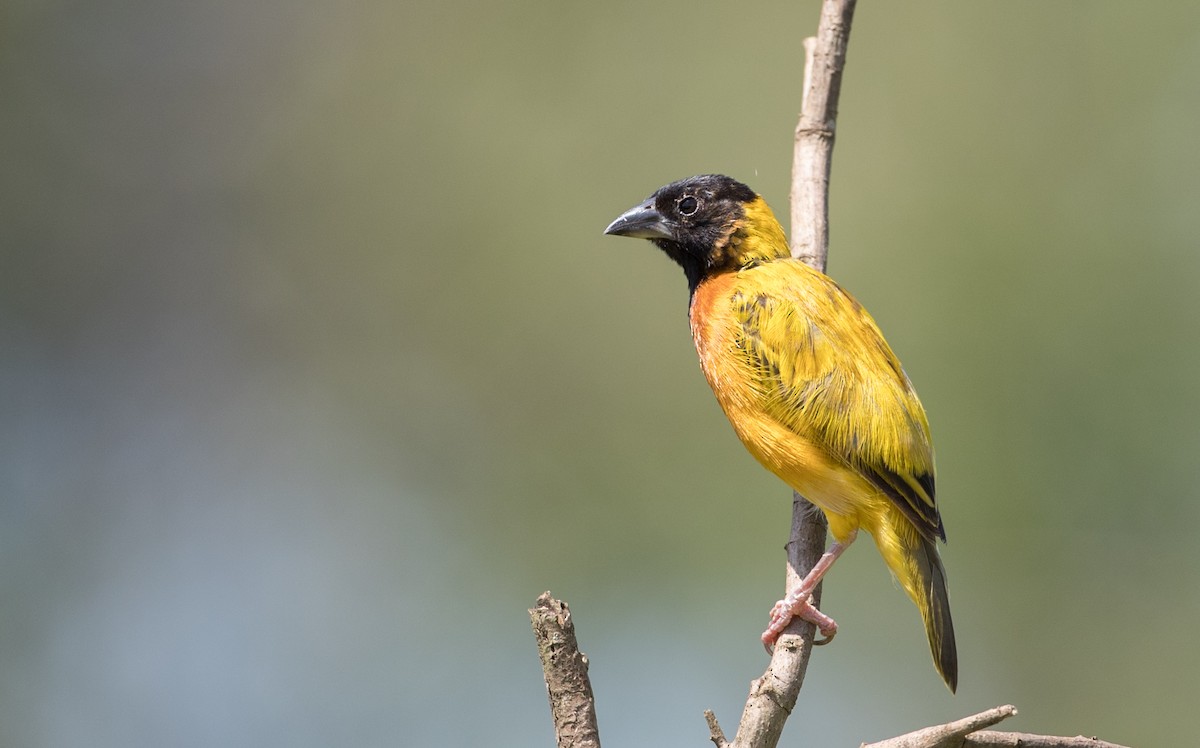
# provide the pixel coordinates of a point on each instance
(819, 365)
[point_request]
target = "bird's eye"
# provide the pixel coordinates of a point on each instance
(688, 206)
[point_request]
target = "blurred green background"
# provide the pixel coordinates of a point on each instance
(317, 369)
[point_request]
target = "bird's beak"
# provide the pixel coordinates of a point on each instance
(642, 222)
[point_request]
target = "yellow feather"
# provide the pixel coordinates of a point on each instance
(817, 396)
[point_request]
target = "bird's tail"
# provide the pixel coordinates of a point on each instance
(919, 569)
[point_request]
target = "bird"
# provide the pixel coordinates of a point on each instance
(811, 388)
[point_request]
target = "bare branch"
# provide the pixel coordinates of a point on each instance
(773, 696)
(969, 733)
(572, 705)
(988, 739)
(812, 156)
(950, 735)
(715, 734)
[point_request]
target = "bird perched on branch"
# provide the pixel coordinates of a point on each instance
(811, 388)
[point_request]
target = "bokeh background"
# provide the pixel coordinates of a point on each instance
(316, 368)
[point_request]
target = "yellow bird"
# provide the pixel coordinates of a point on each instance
(811, 387)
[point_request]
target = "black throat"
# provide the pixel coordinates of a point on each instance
(694, 264)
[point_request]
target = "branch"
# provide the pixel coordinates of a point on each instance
(773, 696)
(812, 156)
(949, 735)
(968, 733)
(572, 705)
(989, 739)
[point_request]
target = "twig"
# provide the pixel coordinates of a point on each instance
(969, 733)
(572, 705)
(949, 735)
(773, 696)
(812, 156)
(988, 739)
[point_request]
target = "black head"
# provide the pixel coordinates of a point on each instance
(691, 220)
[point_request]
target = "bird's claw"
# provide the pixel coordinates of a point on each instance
(797, 605)
(827, 637)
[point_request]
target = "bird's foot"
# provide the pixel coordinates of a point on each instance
(798, 604)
